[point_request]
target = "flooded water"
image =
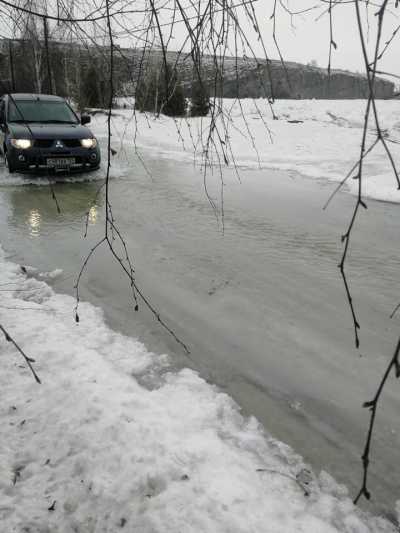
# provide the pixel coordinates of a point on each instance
(261, 304)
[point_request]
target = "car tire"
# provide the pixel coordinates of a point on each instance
(8, 164)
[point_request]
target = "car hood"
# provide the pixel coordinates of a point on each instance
(49, 131)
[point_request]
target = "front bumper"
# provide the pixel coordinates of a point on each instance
(36, 159)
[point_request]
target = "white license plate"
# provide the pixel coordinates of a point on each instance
(60, 162)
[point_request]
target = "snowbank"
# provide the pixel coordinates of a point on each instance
(317, 138)
(113, 439)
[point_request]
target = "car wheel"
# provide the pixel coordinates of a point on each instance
(8, 164)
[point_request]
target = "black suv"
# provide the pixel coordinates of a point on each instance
(42, 132)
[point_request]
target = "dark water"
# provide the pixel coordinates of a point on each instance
(261, 304)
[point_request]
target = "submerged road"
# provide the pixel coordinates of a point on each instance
(261, 304)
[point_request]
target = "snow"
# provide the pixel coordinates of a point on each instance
(33, 272)
(323, 142)
(116, 439)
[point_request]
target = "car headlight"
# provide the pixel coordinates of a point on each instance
(89, 143)
(21, 144)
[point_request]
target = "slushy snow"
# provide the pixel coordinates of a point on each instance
(115, 440)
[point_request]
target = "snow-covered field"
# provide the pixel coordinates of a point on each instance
(114, 439)
(92, 449)
(323, 142)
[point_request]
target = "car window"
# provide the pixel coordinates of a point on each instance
(40, 111)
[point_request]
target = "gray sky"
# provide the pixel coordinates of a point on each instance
(308, 38)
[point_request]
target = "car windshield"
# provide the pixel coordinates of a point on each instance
(41, 111)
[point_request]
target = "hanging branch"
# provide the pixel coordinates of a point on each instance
(371, 69)
(332, 44)
(111, 231)
(28, 360)
(372, 405)
(371, 107)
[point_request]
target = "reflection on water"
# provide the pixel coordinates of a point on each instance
(34, 221)
(93, 214)
(34, 208)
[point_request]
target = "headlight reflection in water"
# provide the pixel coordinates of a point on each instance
(34, 222)
(93, 214)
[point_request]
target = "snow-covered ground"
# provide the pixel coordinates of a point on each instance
(93, 449)
(322, 141)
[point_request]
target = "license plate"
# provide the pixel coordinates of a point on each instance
(60, 162)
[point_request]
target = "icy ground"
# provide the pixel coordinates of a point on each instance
(114, 440)
(317, 138)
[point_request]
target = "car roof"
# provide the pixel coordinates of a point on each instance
(31, 96)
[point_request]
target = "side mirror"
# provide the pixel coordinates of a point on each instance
(85, 119)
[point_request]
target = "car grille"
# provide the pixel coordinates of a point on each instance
(44, 143)
(48, 143)
(71, 143)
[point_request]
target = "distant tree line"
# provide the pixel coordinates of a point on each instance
(161, 91)
(60, 68)
(83, 76)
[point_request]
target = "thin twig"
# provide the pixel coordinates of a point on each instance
(28, 360)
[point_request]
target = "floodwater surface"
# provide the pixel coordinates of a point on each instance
(258, 298)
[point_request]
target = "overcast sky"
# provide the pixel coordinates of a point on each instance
(308, 38)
